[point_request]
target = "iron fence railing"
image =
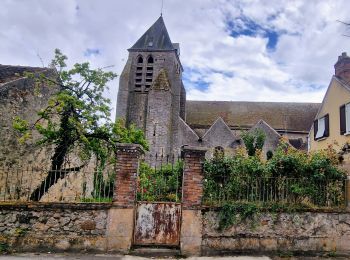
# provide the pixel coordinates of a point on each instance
(160, 178)
(324, 193)
(62, 185)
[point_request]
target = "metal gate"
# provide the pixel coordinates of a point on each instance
(157, 223)
(158, 210)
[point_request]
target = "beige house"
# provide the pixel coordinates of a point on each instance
(332, 122)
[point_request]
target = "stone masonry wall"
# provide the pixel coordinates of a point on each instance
(53, 227)
(159, 128)
(307, 232)
(21, 98)
(25, 165)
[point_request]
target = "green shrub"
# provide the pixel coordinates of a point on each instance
(4, 247)
(97, 199)
(229, 177)
(160, 184)
(289, 175)
(253, 141)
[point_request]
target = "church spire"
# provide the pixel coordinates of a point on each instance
(155, 38)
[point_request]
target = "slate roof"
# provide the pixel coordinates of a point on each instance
(298, 144)
(219, 134)
(266, 127)
(9, 72)
(155, 38)
(279, 115)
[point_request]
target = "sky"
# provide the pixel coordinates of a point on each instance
(239, 50)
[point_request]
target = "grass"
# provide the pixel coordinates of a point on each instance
(99, 199)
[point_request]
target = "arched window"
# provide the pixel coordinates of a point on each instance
(140, 60)
(219, 152)
(150, 60)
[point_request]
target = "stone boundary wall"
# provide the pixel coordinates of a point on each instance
(80, 227)
(306, 233)
(108, 227)
(53, 227)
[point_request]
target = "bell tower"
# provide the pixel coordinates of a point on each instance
(151, 93)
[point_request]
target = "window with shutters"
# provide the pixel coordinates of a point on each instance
(321, 128)
(345, 119)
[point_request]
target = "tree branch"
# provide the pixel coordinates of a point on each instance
(347, 24)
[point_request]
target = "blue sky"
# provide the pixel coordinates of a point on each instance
(231, 50)
(242, 25)
(92, 52)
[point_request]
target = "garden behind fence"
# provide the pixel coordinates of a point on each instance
(322, 193)
(161, 180)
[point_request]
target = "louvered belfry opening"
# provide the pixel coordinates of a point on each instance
(144, 73)
(149, 73)
(138, 74)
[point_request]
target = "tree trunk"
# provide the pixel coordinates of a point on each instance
(51, 179)
(56, 173)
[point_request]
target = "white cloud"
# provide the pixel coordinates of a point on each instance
(240, 68)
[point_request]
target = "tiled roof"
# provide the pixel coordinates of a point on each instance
(279, 115)
(155, 38)
(9, 72)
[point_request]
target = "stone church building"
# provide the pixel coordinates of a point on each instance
(153, 97)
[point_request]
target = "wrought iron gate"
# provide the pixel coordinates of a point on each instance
(158, 211)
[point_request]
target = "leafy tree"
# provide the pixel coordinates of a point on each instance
(77, 118)
(254, 141)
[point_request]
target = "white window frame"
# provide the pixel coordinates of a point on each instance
(347, 119)
(321, 127)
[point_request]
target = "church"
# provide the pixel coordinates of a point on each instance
(153, 97)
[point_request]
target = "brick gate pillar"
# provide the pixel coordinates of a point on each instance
(192, 192)
(120, 223)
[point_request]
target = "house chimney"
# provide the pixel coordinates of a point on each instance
(342, 67)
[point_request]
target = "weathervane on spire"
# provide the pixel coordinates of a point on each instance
(161, 9)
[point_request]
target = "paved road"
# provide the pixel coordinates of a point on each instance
(42, 256)
(110, 257)
(35, 256)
